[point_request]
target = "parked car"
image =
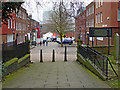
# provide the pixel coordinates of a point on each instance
(33, 43)
(66, 41)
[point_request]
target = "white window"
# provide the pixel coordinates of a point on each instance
(11, 22)
(9, 37)
(8, 23)
(91, 38)
(92, 23)
(92, 9)
(89, 11)
(101, 2)
(118, 14)
(101, 17)
(19, 14)
(100, 38)
(96, 19)
(96, 3)
(14, 23)
(19, 26)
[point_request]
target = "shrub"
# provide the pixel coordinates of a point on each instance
(79, 40)
(27, 41)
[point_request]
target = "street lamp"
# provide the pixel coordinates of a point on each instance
(87, 38)
(80, 31)
(13, 30)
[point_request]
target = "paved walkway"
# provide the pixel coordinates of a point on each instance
(54, 75)
(57, 74)
(59, 52)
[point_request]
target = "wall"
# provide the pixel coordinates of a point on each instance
(80, 25)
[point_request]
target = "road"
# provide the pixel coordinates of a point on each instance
(57, 74)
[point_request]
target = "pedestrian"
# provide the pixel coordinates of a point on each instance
(47, 42)
(43, 42)
(40, 43)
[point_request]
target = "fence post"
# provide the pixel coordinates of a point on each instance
(53, 58)
(107, 67)
(94, 57)
(65, 54)
(41, 59)
(103, 65)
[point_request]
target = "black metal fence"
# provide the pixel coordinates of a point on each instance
(9, 52)
(97, 58)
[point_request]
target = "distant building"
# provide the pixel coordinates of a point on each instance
(80, 27)
(46, 16)
(21, 25)
(34, 29)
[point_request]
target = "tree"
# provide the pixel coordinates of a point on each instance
(8, 8)
(60, 21)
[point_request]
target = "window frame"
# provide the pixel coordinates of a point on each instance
(11, 23)
(8, 23)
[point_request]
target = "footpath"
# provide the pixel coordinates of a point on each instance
(54, 75)
(57, 74)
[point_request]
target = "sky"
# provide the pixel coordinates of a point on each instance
(37, 14)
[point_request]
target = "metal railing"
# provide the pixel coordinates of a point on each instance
(100, 60)
(9, 52)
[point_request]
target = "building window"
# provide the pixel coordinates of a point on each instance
(87, 13)
(8, 23)
(11, 22)
(96, 19)
(96, 3)
(101, 2)
(101, 17)
(100, 38)
(93, 9)
(118, 14)
(14, 23)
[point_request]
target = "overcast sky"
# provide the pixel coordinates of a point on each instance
(37, 14)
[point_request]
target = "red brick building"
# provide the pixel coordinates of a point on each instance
(80, 27)
(70, 34)
(21, 25)
(9, 31)
(90, 21)
(107, 14)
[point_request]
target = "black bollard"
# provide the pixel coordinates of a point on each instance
(53, 58)
(65, 54)
(41, 59)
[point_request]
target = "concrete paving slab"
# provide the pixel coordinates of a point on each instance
(30, 78)
(57, 74)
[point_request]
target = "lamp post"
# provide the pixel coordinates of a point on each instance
(80, 32)
(87, 39)
(13, 30)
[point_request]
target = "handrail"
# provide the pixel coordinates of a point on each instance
(112, 67)
(94, 56)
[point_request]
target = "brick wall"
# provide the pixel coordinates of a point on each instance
(80, 25)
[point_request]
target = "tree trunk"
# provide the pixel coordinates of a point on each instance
(61, 40)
